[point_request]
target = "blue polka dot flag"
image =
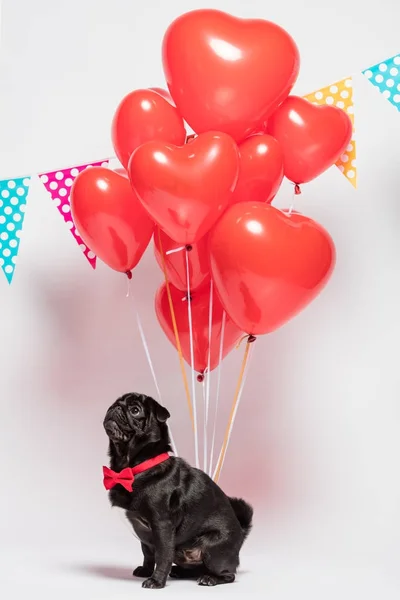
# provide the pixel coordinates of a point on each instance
(13, 197)
(385, 76)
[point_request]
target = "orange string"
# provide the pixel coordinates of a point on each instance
(233, 409)
(176, 332)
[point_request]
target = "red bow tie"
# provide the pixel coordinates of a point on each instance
(126, 477)
(111, 478)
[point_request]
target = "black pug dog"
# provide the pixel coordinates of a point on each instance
(179, 514)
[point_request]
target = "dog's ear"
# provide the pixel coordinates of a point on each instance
(161, 412)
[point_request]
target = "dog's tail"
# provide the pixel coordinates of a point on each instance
(244, 514)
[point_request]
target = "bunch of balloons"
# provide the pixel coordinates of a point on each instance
(206, 198)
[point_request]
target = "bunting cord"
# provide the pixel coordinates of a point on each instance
(383, 75)
(177, 340)
(219, 370)
(63, 168)
(189, 303)
(234, 407)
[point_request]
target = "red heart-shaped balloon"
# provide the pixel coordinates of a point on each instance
(142, 116)
(200, 319)
(175, 261)
(261, 169)
(312, 137)
(228, 74)
(186, 189)
(110, 218)
(267, 265)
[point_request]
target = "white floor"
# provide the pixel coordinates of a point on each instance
(89, 573)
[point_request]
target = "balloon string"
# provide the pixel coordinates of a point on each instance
(207, 395)
(175, 250)
(205, 448)
(176, 333)
(147, 352)
(291, 207)
(148, 356)
(210, 316)
(234, 407)
(296, 192)
(189, 303)
(222, 455)
(221, 347)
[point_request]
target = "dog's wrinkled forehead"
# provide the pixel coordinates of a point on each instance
(131, 399)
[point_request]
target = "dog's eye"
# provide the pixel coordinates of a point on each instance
(135, 410)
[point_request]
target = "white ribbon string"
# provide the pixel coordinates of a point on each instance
(150, 362)
(207, 394)
(205, 448)
(291, 207)
(147, 352)
(210, 315)
(233, 416)
(175, 250)
(128, 287)
(219, 369)
(189, 303)
(294, 197)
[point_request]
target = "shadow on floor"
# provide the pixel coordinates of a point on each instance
(106, 571)
(114, 572)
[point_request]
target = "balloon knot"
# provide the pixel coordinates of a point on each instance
(129, 274)
(297, 190)
(251, 339)
(187, 298)
(188, 247)
(240, 341)
(200, 377)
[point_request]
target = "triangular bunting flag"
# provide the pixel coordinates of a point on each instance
(13, 197)
(340, 94)
(385, 76)
(58, 184)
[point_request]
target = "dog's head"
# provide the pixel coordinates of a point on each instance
(136, 420)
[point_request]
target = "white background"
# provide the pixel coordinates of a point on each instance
(316, 446)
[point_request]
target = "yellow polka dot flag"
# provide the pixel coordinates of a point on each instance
(340, 94)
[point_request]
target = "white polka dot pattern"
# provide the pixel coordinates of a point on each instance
(13, 197)
(340, 94)
(58, 184)
(385, 77)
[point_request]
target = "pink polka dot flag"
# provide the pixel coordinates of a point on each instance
(58, 184)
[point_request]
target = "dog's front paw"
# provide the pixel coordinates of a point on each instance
(152, 584)
(208, 580)
(142, 572)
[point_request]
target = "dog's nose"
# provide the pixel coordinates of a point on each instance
(110, 427)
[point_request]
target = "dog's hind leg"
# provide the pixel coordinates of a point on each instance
(221, 561)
